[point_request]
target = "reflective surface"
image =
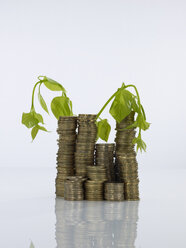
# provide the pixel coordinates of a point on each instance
(96, 224)
(29, 211)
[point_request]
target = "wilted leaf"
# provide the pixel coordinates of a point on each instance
(29, 119)
(34, 132)
(36, 129)
(61, 106)
(42, 102)
(122, 105)
(103, 129)
(140, 144)
(53, 85)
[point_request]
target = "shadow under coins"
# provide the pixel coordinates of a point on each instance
(95, 224)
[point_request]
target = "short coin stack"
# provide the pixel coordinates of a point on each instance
(94, 186)
(65, 155)
(85, 144)
(126, 163)
(94, 190)
(74, 190)
(114, 191)
(104, 157)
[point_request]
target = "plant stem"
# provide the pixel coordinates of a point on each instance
(104, 106)
(32, 106)
(139, 102)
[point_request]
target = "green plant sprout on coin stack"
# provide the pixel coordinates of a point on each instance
(123, 103)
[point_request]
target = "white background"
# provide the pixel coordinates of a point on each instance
(91, 47)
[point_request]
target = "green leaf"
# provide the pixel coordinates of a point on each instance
(135, 106)
(71, 112)
(42, 102)
(61, 106)
(38, 117)
(29, 120)
(140, 144)
(32, 245)
(35, 130)
(103, 129)
(53, 85)
(122, 105)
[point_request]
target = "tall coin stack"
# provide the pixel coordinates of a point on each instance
(114, 191)
(104, 157)
(65, 155)
(85, 144)
(126, 163)
(74, 190)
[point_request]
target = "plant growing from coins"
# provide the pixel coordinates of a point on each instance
(60, 105)
(124, 102)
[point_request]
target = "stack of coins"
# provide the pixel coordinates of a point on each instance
(104, 157)
(97, 173)
(129, 173)
(126, 168)
(94, 190)
(74, 190)
(85, 144)
(114, 191)
(65, 155)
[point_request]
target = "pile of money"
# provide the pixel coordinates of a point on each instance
(85, 144)
(126, 166)
(114, 191)
(74, 190)
(65, 155)
(104, 156)
(94, 190)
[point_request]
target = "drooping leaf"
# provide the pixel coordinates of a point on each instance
(135, 106)
(140, 144)
(122, 105)
(71, 112)
(29, 120)
(42, 102)
(61, 106)
(143, 111)
(42, 128)
(53, 85)
(35, 130)
(32, 245)
(38, 117)
(103, 129)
